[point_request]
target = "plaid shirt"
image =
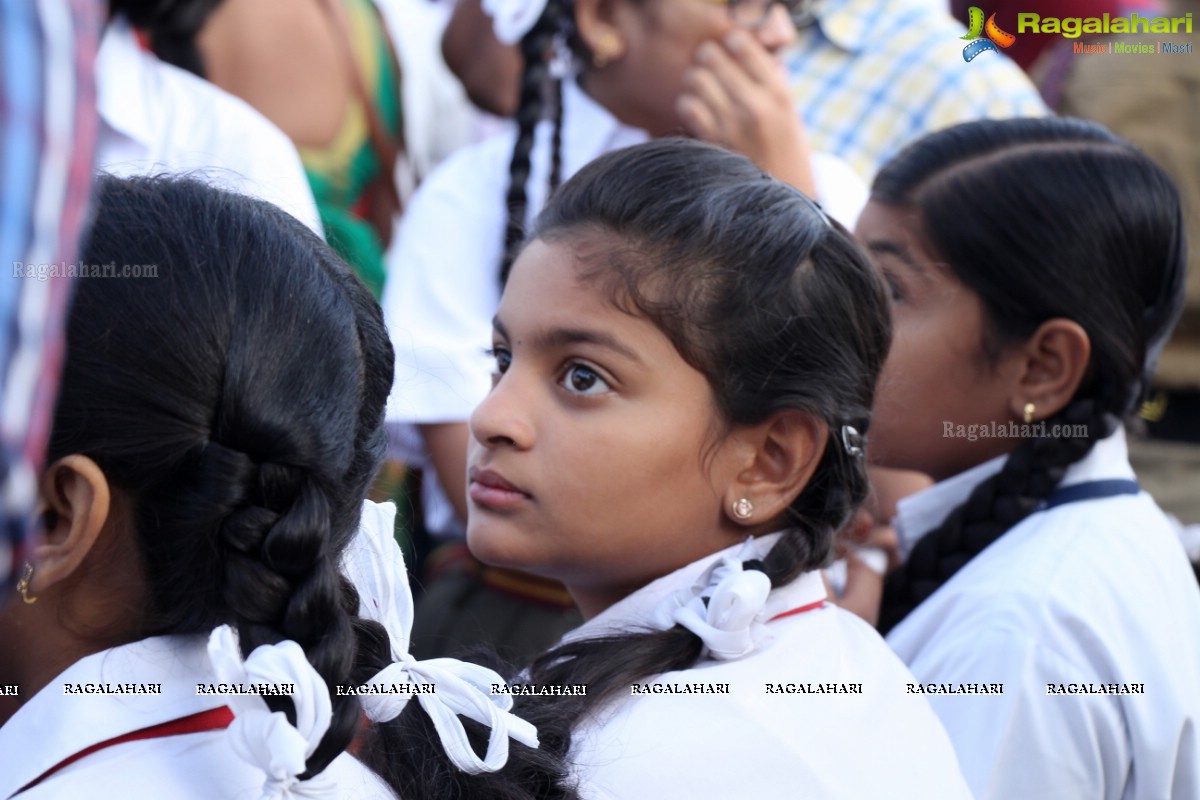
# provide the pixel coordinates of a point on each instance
(48, 127)
(871, 75)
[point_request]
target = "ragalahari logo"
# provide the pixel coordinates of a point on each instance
(995, 36)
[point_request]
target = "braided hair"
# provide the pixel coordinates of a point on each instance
(537, 82)
(773, 303)
(236, 400)
(1042, 219)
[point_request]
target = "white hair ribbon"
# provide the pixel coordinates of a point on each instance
(728, 622)
(512, 19)
(374, 564)
(265, 738)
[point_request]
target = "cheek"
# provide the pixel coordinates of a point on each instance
(921, 387)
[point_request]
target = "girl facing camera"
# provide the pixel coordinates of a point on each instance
(685, 356)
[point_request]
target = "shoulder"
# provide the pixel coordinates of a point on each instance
(824, 678)
(481, 167)
(186, 125)
(1094, 583)
(197, 766)
(464, 195)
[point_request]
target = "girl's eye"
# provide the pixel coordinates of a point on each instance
(582, 379)
(894, 287)
(503, 359)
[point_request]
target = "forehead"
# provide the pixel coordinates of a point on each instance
(880, 222)
(898, 234)
(565, 282)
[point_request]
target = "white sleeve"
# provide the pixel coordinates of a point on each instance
(839, 189)
(443, 287)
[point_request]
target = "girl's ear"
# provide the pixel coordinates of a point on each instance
(74, 505)
(1053, 362)
(778, 457)
(598, 24)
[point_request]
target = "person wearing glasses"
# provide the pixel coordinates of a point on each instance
(623, 72)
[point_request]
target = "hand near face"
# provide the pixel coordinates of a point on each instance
(862, 592)
(870, 529)
(736, 96)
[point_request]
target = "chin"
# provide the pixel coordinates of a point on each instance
(491, 546)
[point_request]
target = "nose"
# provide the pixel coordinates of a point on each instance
(503, 418)
(777, 30)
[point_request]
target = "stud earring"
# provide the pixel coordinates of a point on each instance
(605, 49)
(23, 585)
(743, 509)
(1029, 409)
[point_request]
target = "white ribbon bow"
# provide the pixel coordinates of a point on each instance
(730, 622)
(512, 19)
(374, 564)
(265, 738)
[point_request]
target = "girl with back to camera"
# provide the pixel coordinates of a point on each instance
(625, 71)
(217, 427)
(685, 356)
(1036, 269)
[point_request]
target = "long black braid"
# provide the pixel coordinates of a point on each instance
(537, 81)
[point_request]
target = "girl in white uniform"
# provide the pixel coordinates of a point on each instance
(1036, 269)
(634, 70)
(686, 353)
(184, 629)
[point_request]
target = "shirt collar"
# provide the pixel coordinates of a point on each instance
(637, 610)
(52, 725)
(125, 77)
(920, 513)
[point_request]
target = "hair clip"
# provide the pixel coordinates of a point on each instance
(852, 441)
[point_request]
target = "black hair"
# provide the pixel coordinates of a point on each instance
(773, 303)
(236, 400)
(171, 26)
(1042, 219)
(552, 37)
(536, 82)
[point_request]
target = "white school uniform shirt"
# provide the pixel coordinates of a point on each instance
(443, 284)
(1090, 592)
(156, 118)
(52, 726)
(882, 742)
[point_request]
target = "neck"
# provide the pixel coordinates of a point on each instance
(65, 625)
(37, 649)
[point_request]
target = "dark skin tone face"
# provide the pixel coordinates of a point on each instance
(938, 372)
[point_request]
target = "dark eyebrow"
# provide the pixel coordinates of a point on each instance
(899, 251)
(561, 337)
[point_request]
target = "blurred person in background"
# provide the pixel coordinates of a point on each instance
(156, 118)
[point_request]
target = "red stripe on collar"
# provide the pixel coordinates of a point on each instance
(799, 610)
(214, 719)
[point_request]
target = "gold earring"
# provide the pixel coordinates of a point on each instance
(1029, 409)
(23, 585)
(605, 49)
(743, 509)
